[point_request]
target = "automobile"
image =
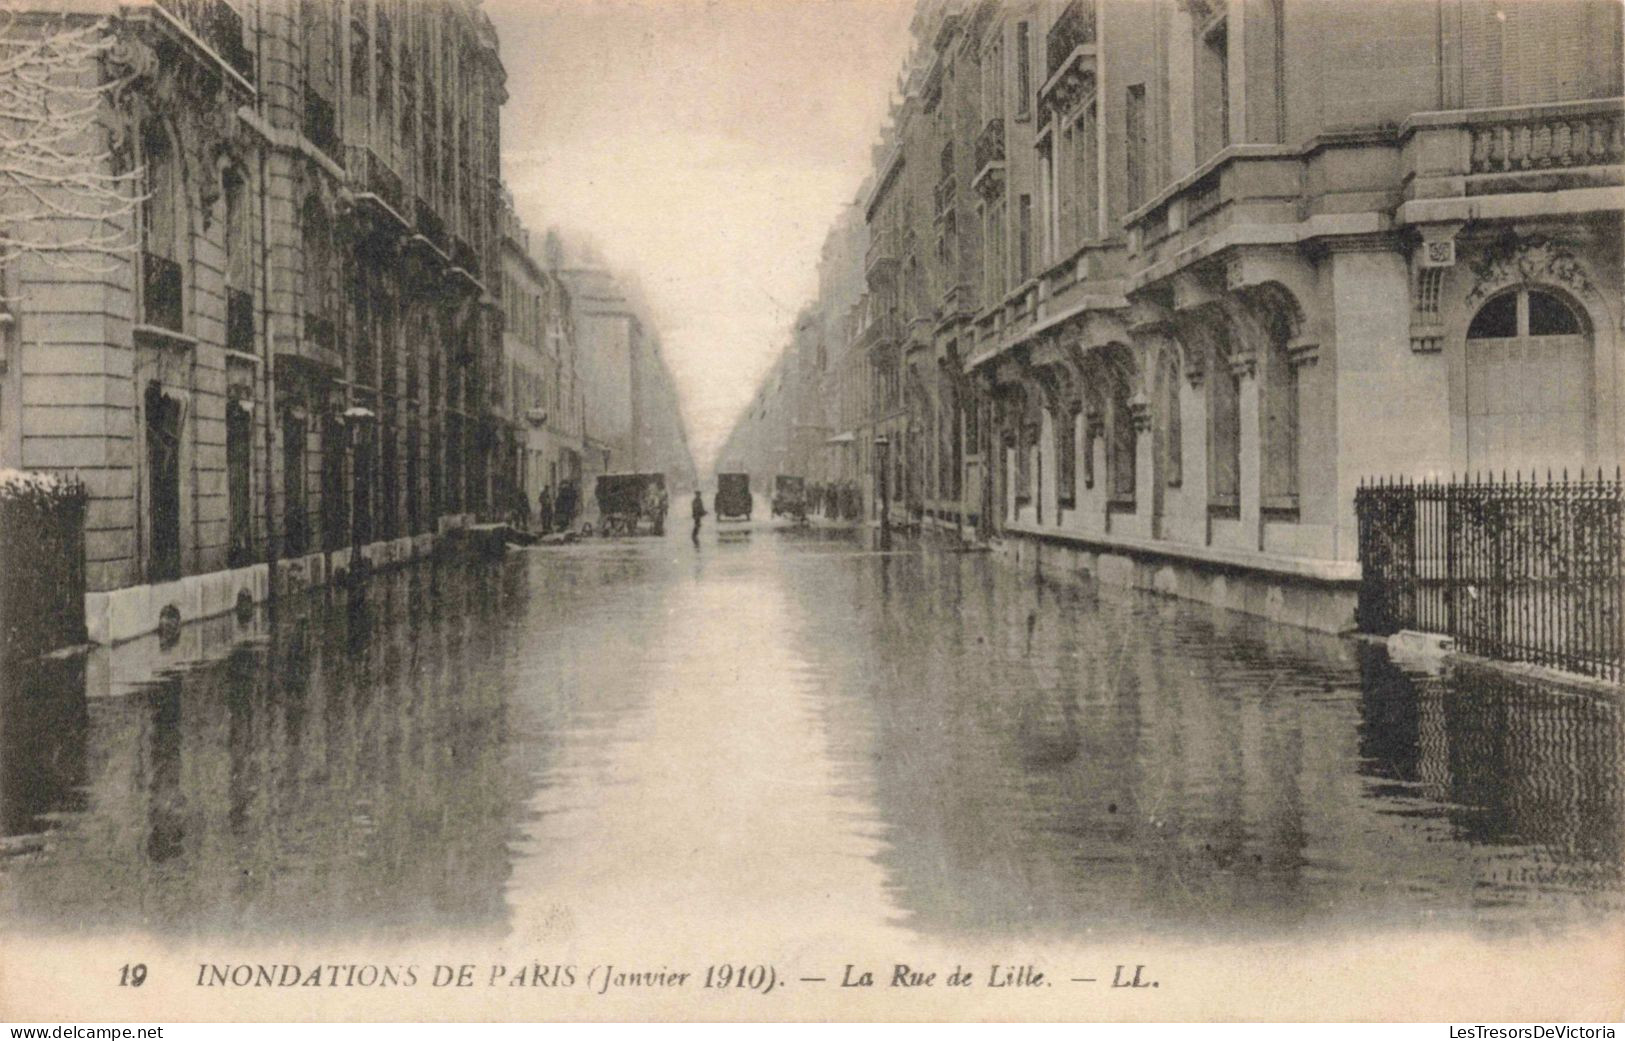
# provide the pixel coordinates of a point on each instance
(632, 504)
(733, 500)
(789, 497)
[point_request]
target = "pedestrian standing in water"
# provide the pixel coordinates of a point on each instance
(545, 510)
(698, 510)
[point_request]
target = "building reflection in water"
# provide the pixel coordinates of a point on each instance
(1018, 759)
(345, 774)
(1074, 761)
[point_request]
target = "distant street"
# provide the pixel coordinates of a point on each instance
(786, 719)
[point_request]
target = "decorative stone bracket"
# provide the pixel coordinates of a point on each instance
(1431, 260)
(1139, 411)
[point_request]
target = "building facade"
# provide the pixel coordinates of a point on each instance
(1152, 286)
(543, 410)
(296, 351)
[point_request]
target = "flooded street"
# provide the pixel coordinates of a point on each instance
(787, 730)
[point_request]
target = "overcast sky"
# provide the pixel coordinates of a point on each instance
(706, 146)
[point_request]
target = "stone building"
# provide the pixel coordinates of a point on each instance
(1309, 244)
(540, 360)
(1152, 285)
(299, 351)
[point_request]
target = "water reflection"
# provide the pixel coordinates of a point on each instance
(569, 736)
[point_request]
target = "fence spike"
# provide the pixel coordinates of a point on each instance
(1565, 474)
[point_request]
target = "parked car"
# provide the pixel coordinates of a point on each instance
(789, 497)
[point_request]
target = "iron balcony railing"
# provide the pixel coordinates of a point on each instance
(883, 250)
(432, 227)
(219, 26)
(321, 126)
(1524, 570)
(160, 292)
(371, 174)
(463, 256)
(1073, 29)
(990, 144)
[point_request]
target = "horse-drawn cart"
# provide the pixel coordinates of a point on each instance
(631, 504)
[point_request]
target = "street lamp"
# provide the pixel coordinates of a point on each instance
(882, 446)
(355, 419)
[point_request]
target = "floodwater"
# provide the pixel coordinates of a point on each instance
(785, 730)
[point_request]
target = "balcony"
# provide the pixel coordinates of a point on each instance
(431, 226)
(878, 333)
(957, 301)
(370, 174)
(1257, 191)
(1520, 148)
(239, 321)
(882, 257)
(160, 292)
(989, 155)
(1073, 31)
(321, 127)
(212, 27)
(463, 256)
(944, 196)
(320, 344)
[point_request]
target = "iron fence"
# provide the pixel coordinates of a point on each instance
(1517, 569)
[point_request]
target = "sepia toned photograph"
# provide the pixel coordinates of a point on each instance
(812, 510)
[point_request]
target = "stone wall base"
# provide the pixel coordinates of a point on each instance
(1321, 605)
(125, 614)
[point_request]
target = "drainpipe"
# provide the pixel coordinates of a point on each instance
(267, 364)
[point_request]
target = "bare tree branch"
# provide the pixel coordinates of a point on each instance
(63, 198)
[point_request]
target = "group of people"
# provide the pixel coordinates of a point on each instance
(836, 500)
(557, 513)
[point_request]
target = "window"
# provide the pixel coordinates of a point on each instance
(1173, 445)
(239, 452)
(162, 292)
(295, 529)
(318, 273)
(1213, 90)
(1134, 144)
(1224, 432)
(1066, 455)
(1026, 439)
(239, 264)
(1120, 434)
(1530, 391)
(163, 430)
(360, 51)
(1088, 174)
(1280, 433)
(1520, 53)
(1024, 69)
(1025, 259)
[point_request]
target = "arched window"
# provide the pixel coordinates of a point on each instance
(1224, 427)
(1280, 423)
(1120, 433)
(161, 221)
(1529, 387)
(1173, 429)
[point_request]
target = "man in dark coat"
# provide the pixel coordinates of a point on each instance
(698, 510)
(545, 510)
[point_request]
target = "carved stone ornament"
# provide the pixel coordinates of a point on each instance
(1514, 261)
(1139, 413)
